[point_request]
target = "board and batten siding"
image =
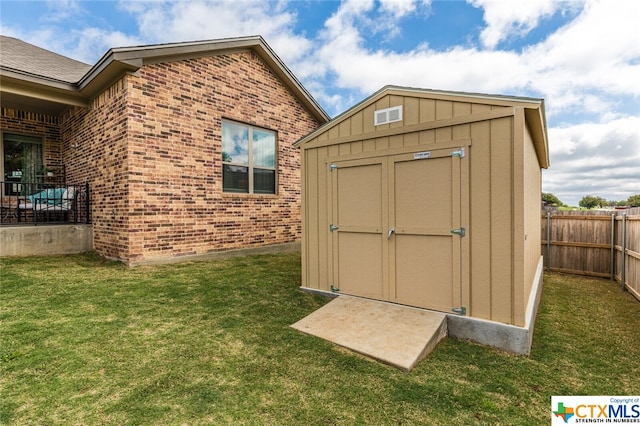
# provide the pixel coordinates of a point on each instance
(501, 251)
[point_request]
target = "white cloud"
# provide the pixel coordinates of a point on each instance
(582, 68)
(90, 41)
(400, 8)
(594, 159)
(161, 22)
(61, 10)
(344, 56)
(506, 19)
(597, 54)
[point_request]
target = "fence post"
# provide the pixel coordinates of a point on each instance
(613, 246)
(548, 241)
(624, 250)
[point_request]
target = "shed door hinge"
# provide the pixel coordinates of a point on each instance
(460, 311)
(332, 167)
(333, 227)
(459, 153)
(459, 231)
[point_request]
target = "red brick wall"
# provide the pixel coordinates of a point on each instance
(150, 146)
(94, 142)
(175, 109)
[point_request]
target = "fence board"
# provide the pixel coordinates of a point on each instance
(591, 243)
(632, 259)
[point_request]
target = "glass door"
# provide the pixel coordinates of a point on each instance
(22, 162)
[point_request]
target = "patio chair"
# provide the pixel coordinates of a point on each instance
(49, 202)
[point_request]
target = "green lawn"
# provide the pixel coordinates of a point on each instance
(90, 342)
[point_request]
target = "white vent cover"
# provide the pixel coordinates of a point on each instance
(387, 115)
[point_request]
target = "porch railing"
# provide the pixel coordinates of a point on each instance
(24, 203)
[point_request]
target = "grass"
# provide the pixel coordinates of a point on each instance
(92, 342)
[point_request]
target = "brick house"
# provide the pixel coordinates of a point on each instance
(187, 148)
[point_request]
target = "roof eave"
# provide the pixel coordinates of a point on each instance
(105, 72)
(538, 128)
(11, 74)
(37, 89)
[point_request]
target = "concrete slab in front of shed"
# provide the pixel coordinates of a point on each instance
(394, 334)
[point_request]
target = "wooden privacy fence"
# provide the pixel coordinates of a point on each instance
(602, 244)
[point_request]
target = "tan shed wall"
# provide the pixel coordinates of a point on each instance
(504, 188)
(491, 220)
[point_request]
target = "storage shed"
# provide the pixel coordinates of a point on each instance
(430, 199)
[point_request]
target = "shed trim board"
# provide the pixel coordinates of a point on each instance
(454, 144)
(368, 174)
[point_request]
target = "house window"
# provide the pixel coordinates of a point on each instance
(22, 159)
(248, 159)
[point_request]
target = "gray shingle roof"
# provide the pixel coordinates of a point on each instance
(27, 58)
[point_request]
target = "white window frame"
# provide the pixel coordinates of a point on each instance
(250, 166)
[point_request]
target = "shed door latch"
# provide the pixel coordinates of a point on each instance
(459, 231)
(332, 167)
(333, 227)
(459, 153)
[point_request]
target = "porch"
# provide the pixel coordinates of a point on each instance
(42, 219)
(28, 203)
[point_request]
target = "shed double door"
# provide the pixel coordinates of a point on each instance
(391, 228)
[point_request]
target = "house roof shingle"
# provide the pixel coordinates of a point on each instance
(26, 58)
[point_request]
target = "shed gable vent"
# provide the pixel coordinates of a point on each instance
(387, 115)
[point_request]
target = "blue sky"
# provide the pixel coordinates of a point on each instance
(581, 56)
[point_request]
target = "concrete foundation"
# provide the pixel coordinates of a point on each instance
(502, 336)
(45, 240)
